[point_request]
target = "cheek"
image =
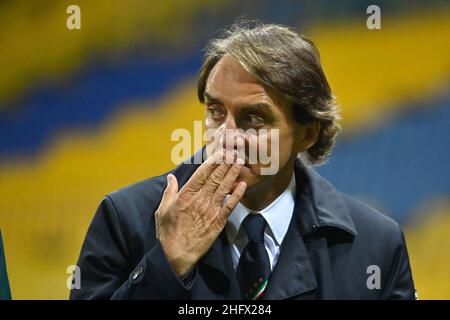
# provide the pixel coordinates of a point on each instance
(280, 146)
(285, 145)
(271, 143)
(210, 124)
(277, 141)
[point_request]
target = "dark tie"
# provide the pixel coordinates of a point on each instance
(253, 270)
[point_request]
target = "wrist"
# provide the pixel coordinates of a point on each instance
(179, 261)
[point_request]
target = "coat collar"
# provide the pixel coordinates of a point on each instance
(319, 205)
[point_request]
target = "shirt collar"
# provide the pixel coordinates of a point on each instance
(278, 215)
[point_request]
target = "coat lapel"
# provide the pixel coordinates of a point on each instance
(293, 274)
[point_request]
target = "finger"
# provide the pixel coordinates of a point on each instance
(216, 177)
(198, 179)
(227, 182)
(170, 193)
(231, 203)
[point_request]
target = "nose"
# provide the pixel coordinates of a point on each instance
(232, 138)
(230, 123)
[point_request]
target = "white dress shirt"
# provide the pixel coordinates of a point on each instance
(278, 215)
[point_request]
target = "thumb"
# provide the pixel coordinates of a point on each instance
(172, 184)
(169, 196)
(170, 192)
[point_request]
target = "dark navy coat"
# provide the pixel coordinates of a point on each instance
(336, 247)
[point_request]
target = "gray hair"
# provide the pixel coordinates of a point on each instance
(287, 63)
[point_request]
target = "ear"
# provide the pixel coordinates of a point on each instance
(306, 136)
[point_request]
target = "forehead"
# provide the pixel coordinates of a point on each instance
(229, 82)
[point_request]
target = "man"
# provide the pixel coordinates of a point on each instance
(223, 229)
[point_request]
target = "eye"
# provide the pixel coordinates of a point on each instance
(215, 114)
(255, 120)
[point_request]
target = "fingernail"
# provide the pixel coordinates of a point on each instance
(240, 162)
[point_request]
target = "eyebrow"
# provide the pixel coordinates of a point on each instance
(210, 98)
(259, 106)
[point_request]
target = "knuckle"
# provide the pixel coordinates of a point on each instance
(190, 189)
(223, 188)
(202, 176)
(215, 178)
(228, 206)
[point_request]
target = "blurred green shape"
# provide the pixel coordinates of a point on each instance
(5, 291)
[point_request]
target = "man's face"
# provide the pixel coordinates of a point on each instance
(235, 99)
